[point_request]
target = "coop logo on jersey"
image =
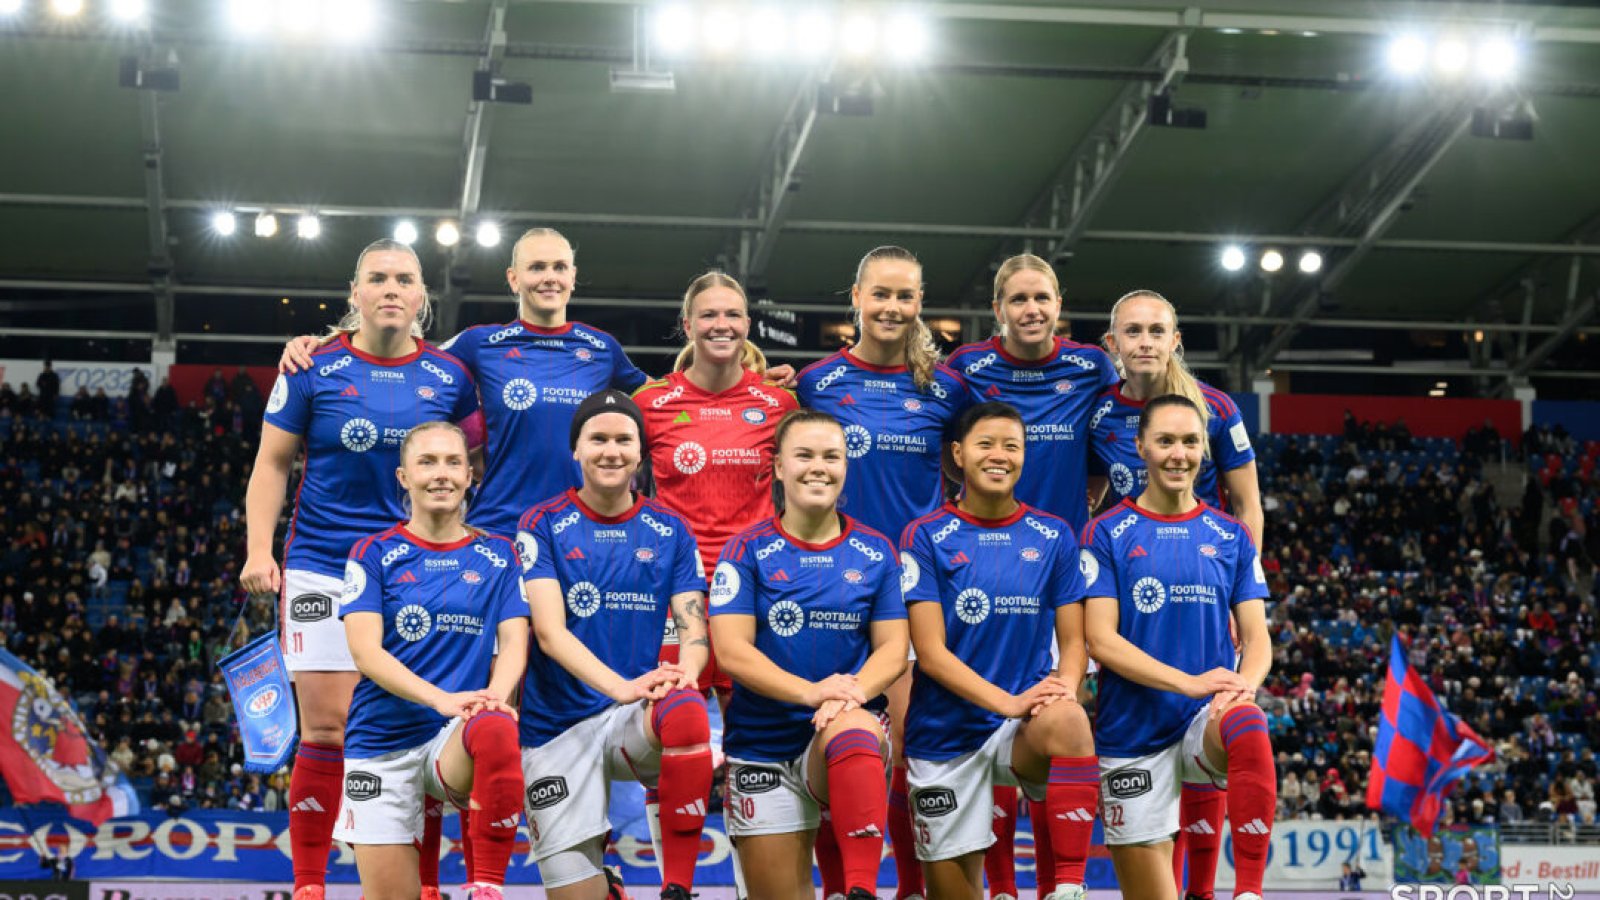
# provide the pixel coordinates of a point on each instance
(471, 577)
(1100, 414)
(689, 457)
(427, 393)
(753, 780)
(360, 785)
(754, 416)
(519, 394)
(668, 397)
(1221, 532)
(786, 618)
(1209, 551)
(984, 362)
(358, 435)
(1031, 554)
(493, 557)
(1121, 479)
(972, 606)
(355, 581)
(1149, 594)
(583, 599)
(1125, 784)
(1088, 566)
(263, 702)
(935, 802)
(566, 522)
(910, 572)
(527, 550)
(279, 396)
(1042, 528)
(336, 365)
(770, 549)
(948, 529)
(724, 584)
(833, 375)
(853, 576)
(413, 622)
(438, 373)
(1080, 362)
(1124, 525)
(657, 527)
(395, 552)
(547, 792)
(868, 552)
(502, 334)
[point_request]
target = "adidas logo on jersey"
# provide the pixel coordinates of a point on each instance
(407, 578)
(513, 353)
(1201, 827)
(847, 401)
(780, 575)
(682, 418)
(575, 553)
(1076, 815)
(697, 808)
(1254, 826)
(350, 391)
(993, 391)
(960, 558)
(1137, 552)
(308, 805)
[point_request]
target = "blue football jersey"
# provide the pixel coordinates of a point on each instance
(999, 583)
(1056, 397)
(531, 380)
(893, 433)
(352, 410)
(441, 605)
(1115, 425)
(618, 575)
(1176, 580)
(814, 606)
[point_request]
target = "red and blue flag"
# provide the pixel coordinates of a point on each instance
(1422, 750)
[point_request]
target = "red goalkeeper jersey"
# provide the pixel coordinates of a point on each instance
(712, 453)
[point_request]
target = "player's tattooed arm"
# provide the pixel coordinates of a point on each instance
(694, 643)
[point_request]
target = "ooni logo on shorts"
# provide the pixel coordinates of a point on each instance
(358, 435)
(310, 608)
(583, 599)
(689, 457)
(752, 780)
(724, 584)
(360, 785)
(1125, 784)
(413, 622)
(519, 394)
(1149, 594)
(972, 606)
(786, 618)
(935, 802)
(547, 792)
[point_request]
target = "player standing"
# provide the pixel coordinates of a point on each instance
(1166, 577)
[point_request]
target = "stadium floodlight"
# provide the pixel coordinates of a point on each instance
(224, 223)
(1233, 257)
(1497, 59)
(766, 32)
(308, 227)
(406, 232)
(813, 34)
(1408, 54)
(66, 9)
(10, 7)
(129, 11)
(447, 234)
(1271, 261)
(720, 32)
(487, 234)
(249, 17)
(348, 20)
(674, 30)
(266, 225)
(1310, 262)
(908, 38)
(1451, 57)
(299, 17)
(858, 36)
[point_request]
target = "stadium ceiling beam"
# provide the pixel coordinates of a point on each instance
(1569, 325)
(1364, 208)
(1080, 186)
(159, 264)
(750, 251)
(474, 156)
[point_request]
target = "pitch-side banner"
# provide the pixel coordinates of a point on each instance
(1309, 856)
(115, 377)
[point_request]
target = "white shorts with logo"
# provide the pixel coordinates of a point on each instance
(778, 797)
(952, 803)
(568, 780)
(1139, 795)
(382, 801)
(313, 635)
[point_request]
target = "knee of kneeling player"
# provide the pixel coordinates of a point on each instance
(681, 721)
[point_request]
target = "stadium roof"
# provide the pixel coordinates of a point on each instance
(1024, 125)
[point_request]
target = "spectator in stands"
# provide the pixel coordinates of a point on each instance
(81, 408)
(49, 384)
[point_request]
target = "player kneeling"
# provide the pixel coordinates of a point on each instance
(602, 568)
(1164, 572)
(423, 604)
(992, 586)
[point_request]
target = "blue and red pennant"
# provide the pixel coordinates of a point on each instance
(1422, 750)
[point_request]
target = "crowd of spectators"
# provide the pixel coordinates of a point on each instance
(120, 549)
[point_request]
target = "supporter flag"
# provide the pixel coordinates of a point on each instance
(1422, 749)
(46, 755)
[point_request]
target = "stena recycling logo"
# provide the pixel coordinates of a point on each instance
(786, 618)
(279, 396)
(413, 622)
(857, 441)
(1088, 566)
(519, 394)
(358, 435)
(689, 457)
(583, 599)
(263, 702)
(1149, 594)
(972, 606)
(1121, 479)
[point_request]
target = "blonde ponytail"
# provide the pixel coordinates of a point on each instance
(922, 352)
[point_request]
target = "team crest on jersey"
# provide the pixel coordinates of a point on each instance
(413, 622)
(857, 441)
(1208, 550)
(1149, 594)
(279, 396)
(1088, 566)
(786, 618)
(911, 404)
(972, 606)
(358, 435)
(644, 555)
(583, 599)
(754, 416)
(853, 576)
(583, 354)
(427, 393)
(724, 584)
(1063, 387)
(689, 457)
(471, 577)
(1031, 554)
(519, 394)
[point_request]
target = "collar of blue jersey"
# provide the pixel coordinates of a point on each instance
(625, 515)
(1199, 509)
(1016, 516)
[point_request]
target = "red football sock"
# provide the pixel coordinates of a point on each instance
(428, 848)
(680, 721)
(1000, 863)
(902, 838)
(491, 741)
(1044, 857)
(858, 800)
(315, 788)
(466, 842)
(830, 865)
(1071, 798)
(1252, 794)
(1201, 811)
